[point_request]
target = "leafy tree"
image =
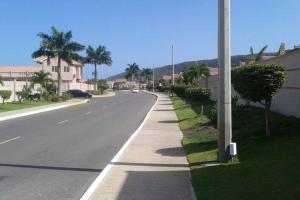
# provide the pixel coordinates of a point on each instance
(281, 50)
(97, 56)
(5, 95)
(195, 73)
(259, 83)
(146, 75)
(132, 71)
(256, 57)
(59, 45)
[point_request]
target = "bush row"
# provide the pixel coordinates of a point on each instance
(191, 93)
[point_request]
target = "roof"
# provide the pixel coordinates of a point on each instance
(20, 69)
(213, 71)
(41, 59)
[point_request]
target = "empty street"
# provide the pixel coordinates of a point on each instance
(58, 154)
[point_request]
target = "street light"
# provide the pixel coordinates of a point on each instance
(173, 70)
(224, 98)
(153, 78)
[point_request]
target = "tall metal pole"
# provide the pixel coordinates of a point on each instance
(224, 98)
(173, 70)
(153, 77)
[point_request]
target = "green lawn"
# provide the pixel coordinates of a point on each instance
(9, 106)
(266, 168)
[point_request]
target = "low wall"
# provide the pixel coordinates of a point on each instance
(16, 86)
(286, 101)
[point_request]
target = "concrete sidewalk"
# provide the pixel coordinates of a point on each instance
(39, 109)
(154, 165)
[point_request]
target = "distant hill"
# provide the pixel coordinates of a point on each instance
(167, 70)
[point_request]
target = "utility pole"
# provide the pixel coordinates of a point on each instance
(153, 77)
(173, 70)
(224, 99)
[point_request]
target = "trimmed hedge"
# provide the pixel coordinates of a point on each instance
(191, 93)
(197, 94)
(179, 90)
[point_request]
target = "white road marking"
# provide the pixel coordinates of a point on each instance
(6, 141)
(87, 113)
(62, 122)
(88, 193)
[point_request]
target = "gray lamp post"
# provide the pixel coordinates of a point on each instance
(173, 70)
(224, 98)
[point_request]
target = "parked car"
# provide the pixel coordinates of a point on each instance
(79, 94)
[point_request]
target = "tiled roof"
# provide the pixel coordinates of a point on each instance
(41, 59)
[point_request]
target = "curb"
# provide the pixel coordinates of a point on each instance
(33, 112)
(105, 95)
(88, 193)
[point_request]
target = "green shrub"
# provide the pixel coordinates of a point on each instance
(5, 94)
(56, 99)
(213, 115)
(179, 90)
(66, 96)
(197, 94)
(163, 88)
(46, 95)
(24, 94)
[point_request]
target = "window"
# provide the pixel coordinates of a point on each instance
(54, 68)
(66, 69)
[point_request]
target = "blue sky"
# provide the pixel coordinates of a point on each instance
(143, 31)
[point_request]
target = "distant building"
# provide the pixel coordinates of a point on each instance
(20, 73)
(70, 73)
(169, 77)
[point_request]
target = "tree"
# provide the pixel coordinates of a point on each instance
(102, 85)
(146, 74)
(1, 81)
(252, 58)
(259, 83)
(59, 45)
(41, 78)
(5, 95)
(97, 56)
(195, 73)
(281, 50)
(132, 71)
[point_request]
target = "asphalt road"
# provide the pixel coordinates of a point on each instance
(58, 154)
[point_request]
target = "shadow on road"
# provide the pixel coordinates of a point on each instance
(50, 167)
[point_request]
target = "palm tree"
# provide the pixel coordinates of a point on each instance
(146, 74)
(97, 56)
(58, 45)
(195, 73)
(132, 71)
(256, 57)
(41, 78)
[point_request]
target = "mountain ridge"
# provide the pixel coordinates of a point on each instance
(159, 72)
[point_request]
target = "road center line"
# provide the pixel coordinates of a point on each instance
(87, 113)
(6, 141)
(62, 122)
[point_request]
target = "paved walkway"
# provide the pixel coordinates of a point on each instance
(153, 166)
(39, 109)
